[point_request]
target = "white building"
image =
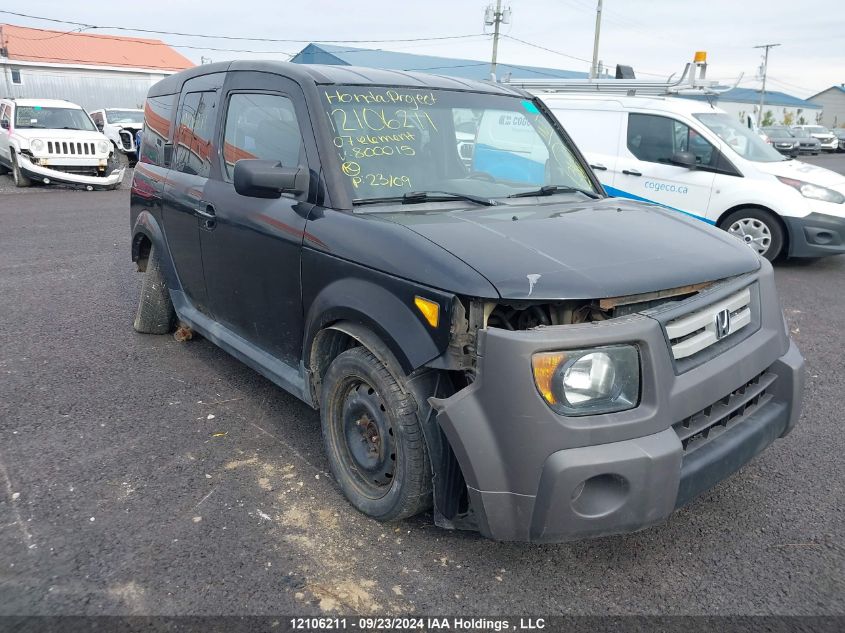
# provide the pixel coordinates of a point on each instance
(92, 70)
(833, 102)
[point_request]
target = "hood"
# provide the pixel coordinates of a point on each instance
(64, 135)
(803, 171)
(603, 248)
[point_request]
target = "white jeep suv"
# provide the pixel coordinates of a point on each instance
(120, 125)
(54, 141)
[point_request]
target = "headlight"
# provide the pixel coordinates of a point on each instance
(813, 191)
(589, 381)
(36, 145)
(103, 147)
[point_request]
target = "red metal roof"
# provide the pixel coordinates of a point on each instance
(42, 45)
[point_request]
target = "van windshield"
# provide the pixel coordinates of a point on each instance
(741, 139)
(393, 141)
(52, 118)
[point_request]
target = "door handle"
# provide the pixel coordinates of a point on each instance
(599, 167)
(632, 172)
(206, 210)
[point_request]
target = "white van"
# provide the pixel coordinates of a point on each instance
(696, 159)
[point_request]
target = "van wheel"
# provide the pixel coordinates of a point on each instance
(155, 313)
(373, 438)
(17, 174)
(757, 228)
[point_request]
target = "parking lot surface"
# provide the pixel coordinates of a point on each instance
(142, 475)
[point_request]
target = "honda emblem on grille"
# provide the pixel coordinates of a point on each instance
(723, 323)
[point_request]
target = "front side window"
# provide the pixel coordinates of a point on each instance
(396, 140)
(193, 133)
(740, 139)
(49, 118)
(261, 126)
(657, 139)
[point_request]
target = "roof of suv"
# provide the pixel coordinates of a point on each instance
(326, 74)
(45, 103)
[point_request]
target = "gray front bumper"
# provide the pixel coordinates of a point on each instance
(526, 467)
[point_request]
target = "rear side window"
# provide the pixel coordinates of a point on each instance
(261, 126)
(193, 133)
(656, 139)
(157, 112)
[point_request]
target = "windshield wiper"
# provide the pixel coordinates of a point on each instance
(417, 197)
(548, 190)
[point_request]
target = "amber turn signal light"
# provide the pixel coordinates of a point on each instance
(429, 309)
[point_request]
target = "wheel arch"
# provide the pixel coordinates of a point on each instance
(760, 207)
(448, 485)
(146, 233)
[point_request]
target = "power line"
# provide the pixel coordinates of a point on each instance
(232, 37)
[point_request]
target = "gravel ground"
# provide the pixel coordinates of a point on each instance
(142, 475)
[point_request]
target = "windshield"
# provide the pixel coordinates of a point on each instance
(392, 141)
(816, 129)
(776, 131)
(52, 118)
(125, 116)
(740, 139)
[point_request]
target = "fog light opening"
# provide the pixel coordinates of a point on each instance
(600, 495)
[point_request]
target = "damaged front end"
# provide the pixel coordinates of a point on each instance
(515, 466)
(83, 171)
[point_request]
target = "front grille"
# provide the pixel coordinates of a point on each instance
(695, 332)
(70, 148)
(704, 426)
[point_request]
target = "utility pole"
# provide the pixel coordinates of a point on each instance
(495, 17)
(763, 89)
(594, 69)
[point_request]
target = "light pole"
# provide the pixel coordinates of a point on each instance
(495, 17)
(594, 66)
(763, 89)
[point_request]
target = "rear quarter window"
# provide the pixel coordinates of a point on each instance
(158, 112)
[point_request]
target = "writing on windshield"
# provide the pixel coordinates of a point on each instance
(392, 141)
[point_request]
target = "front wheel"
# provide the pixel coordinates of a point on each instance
(373, 438)
(759, 229)
(17, 174)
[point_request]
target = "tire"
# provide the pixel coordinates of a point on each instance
(17, 175)
(373, 439)
(758, 228)
(155, 313)
(117, 159)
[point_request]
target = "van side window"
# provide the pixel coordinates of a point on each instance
(656, 139)
(157, 111)
(4, 114)
(261, 126)
(194, 130)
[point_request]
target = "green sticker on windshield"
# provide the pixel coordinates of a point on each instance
(36, 108)
(530, 107)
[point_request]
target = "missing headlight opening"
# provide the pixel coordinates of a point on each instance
(526, 316)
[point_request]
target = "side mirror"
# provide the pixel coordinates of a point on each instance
(684, 159)
(4, 124)
(268, 179)
(99, 125)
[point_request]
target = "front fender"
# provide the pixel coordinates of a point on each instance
(336, 290)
